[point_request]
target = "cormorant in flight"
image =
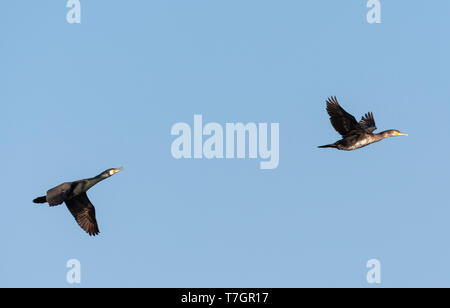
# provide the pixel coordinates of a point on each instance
(75, 197)
(355, 135)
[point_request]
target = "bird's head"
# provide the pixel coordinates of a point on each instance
(110, 172)
(394, 133)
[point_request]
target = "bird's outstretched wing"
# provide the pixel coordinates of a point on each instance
(368, 122)
(342, 121)
(57, 195)
(84, 213)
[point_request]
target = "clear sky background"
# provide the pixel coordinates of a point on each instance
(76, 99)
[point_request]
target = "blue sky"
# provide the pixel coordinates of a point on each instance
(77, 99)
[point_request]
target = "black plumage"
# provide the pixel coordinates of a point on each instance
(354, 134)
(77, 201)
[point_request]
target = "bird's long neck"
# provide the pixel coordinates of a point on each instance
(382, 135)
(92, 181)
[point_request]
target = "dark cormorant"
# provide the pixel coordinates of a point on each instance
(75, 197)
(355, 135)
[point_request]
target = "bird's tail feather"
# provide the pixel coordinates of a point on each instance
(40, 200)
(327, 146)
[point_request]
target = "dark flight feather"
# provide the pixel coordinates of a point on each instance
(368, 122)
(343, 122)
(84, 213)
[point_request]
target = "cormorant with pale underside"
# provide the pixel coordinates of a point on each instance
(355, 135)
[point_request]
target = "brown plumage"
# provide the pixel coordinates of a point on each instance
(355, 135)
(84, 213)
(77, 201)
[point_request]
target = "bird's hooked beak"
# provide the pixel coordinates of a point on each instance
(114, 171)
(401, 134)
